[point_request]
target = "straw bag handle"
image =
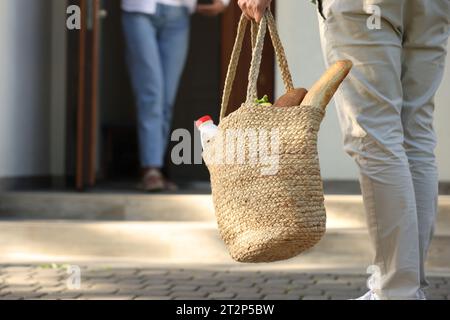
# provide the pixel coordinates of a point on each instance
(257, 44)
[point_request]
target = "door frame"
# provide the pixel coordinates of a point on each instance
(82, 96)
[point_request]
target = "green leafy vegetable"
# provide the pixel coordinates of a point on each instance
(264, 101)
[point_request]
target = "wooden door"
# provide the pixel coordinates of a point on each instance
(200, 92)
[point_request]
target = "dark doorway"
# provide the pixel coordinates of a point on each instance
(200, 91)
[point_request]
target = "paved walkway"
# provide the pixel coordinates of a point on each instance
(151, 283)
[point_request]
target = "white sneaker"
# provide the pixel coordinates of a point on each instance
(421, 295)
(370, 295)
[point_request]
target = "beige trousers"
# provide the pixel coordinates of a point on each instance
(385, 109)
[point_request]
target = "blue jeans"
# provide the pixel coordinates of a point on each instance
(156, 50)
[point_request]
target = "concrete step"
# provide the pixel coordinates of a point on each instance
(110, 206)
(343, 211)
(177, 243)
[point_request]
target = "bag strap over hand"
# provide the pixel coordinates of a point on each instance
(257, 44)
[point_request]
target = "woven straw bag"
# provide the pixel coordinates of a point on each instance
(274, 209)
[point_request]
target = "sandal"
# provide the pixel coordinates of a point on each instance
(152, 181)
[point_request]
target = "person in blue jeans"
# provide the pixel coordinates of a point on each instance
(157, 41)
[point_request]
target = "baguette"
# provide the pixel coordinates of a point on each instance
(323, 90)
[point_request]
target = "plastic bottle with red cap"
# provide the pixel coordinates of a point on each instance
(208, 130)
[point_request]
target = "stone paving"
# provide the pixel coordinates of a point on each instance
(151, 283)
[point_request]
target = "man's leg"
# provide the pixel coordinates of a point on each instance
(424, 52)
(173, 49)
(146, 74)
(369, 105)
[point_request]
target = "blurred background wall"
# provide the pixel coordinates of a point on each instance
(32, 55)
